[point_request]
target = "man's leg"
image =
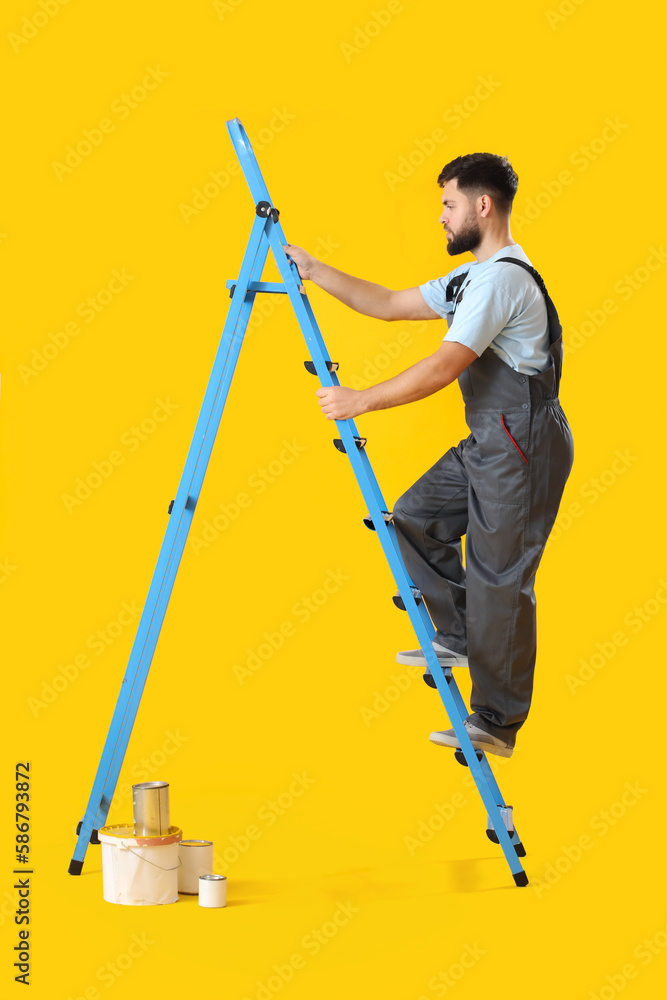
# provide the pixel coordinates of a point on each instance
(501, 616)
(430, 519)
(508, 529)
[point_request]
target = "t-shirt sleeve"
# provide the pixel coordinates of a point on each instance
(484, 310)
(434, 296)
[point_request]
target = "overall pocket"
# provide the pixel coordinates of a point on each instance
(509, 435)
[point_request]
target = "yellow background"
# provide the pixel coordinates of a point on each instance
(354, 101)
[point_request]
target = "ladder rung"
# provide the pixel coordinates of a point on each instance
(360, 443)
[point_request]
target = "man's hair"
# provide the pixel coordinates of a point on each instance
(483, 173)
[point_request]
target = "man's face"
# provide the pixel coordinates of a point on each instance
(459, 221)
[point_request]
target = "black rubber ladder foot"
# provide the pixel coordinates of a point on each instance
(520, 850)
(520, 878)
(75, 867)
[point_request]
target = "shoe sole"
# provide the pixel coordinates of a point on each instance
(420, 661)
(454, 744)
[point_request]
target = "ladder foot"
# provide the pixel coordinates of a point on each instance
(460, 756)
(520, 878)
(75, 867)
(520, 850)
(429, 679)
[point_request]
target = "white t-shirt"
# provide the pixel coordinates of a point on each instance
(499, 306)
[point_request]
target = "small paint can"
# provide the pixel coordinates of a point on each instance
(150, 807)
(212, 890)
(196, 857)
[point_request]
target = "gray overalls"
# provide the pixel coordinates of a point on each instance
(500, 487)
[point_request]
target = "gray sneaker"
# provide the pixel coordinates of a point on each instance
(446, 657)
(480, 739)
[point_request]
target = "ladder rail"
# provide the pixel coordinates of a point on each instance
(164, 575)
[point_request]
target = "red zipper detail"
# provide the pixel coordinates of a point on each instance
(512, 439)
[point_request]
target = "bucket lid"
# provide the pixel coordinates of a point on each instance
(121, 831)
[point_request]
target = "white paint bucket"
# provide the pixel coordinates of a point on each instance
(139, 871)
(196, 857)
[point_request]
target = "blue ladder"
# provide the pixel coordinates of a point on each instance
(267, 233)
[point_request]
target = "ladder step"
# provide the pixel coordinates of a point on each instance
(461, 757)
(332, 366)
(506, 815)
(398, 600)
(387, 517)
(94, 839)
(360, 442)
(258, 286)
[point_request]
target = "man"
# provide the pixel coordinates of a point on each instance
(501, 486)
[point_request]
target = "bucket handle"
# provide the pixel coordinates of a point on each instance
(142, 858)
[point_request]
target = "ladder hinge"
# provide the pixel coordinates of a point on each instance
(264, 209)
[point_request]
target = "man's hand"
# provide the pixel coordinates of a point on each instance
(305, 263)
(340, 403)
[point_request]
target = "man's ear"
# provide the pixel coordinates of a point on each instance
(485, 204)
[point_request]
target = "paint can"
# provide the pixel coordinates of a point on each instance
(150, 807)
(196, 857)
(212, 890)
(139, 871)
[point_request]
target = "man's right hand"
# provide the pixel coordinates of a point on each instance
(305, 263)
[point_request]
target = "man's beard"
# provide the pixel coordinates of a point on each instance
(468, 238)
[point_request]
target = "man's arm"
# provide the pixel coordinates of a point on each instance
(363, 296)
(422, 379)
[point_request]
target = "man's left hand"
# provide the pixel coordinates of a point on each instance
(341, 403)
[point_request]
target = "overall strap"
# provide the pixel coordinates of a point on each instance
(453, 289)
(555, 329)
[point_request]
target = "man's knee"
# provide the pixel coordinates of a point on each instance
(405, 509)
